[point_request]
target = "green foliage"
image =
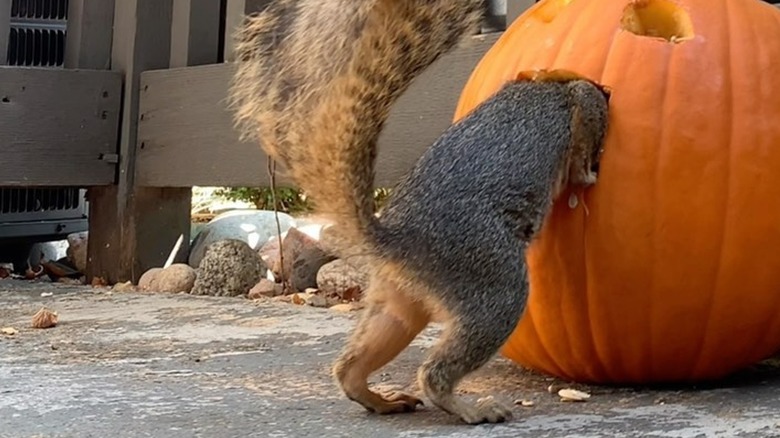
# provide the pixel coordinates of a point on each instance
(288, 200)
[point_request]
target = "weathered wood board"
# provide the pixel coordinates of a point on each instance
(186, 135)
(58, 127)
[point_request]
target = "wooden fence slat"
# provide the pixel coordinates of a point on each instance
(58, 127)
(5, 29)
(195, 32)
(89, 34)
(183, 115)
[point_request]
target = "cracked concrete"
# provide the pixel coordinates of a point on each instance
(147, 365)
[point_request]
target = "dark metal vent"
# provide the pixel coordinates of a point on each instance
(40, 9)
(37, 200)
(38, 31)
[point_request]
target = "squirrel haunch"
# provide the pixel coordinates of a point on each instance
(315, 83)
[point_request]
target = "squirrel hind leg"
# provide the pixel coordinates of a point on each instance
(467, 344)
(389, 324)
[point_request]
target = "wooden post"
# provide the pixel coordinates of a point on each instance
(5, 29)
(515, 8)
(235, 12)
(134, 228)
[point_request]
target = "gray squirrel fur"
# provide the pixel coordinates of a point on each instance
(315, 82)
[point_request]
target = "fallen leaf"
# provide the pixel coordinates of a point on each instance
(525, 403)
(124, 287)
(44, 319)
(8, 331)
(569, 394)
(31, 274)
(351, 294)
(297, 299)
(99, 282)
(315, 300)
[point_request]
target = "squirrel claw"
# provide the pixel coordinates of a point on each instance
(486, 410)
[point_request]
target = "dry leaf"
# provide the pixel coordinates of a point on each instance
(351, 294)
(568, 394)
(44, 318)
(315, 300)
(99, 282)
(8, 331)
(31, 274)
(124, 287)
(297, 299)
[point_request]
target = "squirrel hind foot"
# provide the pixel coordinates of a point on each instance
(388, 325)
(485, 410)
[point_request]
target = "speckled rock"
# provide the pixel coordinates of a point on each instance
(230, 267)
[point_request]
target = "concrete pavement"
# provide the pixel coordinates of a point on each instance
(146, 365)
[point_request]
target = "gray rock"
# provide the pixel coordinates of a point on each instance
(253, 227)
(230, 267)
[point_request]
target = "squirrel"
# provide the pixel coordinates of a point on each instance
(314, 83)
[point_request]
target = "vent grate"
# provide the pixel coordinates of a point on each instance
(38, 31)
(39, 199)
(40, 9)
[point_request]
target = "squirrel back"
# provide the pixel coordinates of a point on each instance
(316, 80)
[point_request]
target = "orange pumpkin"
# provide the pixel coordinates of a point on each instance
(668, 269)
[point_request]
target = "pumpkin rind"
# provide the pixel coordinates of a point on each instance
(668, 269)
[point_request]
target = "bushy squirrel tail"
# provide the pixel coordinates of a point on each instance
(316, 80)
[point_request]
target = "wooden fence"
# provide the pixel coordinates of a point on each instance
(138, 117)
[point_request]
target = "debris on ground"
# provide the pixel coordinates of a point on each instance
(44, 319)
(8, 331)
(573, 395)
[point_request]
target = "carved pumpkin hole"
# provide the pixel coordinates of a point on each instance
(550, 9)
(657, 19)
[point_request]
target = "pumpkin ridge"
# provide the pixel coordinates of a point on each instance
(713, 296)
(553, 364)
(655, 293)
(533, 353)
(768, 321)
(600, 362)
(554, 63)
